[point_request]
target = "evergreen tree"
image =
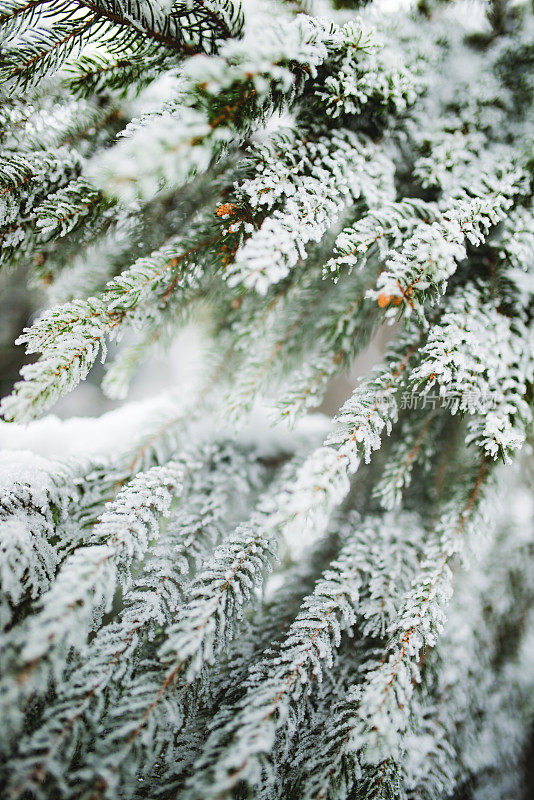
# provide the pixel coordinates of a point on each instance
(293, 176)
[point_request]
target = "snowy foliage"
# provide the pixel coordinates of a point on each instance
(198, 599)
(35, 498)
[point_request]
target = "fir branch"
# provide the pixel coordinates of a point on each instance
(380, 704)
(28, 177)
(87, 582)
(305, 190)
(71, 336)
(35, 498)
(274, 686)
(185, 31)
(430, 256)
(221, 98)
(149, 603)
(489, 384)
(207, 622)
(63, 211)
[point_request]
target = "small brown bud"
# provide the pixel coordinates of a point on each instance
(385, 299)
(227, 210)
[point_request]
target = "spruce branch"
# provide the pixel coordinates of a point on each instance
(193, 606)
(71, 336)
(86, 584)
(150, 602)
